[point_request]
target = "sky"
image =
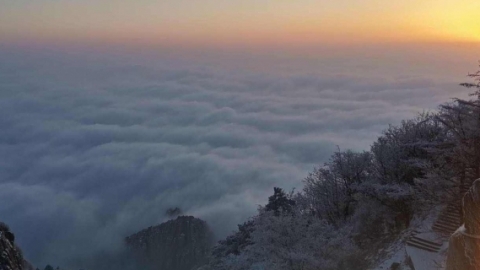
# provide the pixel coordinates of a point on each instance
(112, 112)
(240, 22)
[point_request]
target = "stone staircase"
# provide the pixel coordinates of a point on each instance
(448, 221)
(426, 249)
(425, 244)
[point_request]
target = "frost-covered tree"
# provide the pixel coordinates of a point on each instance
(293, 242)
(279, 201)
(397, 198)
(462, 120)
(404, 157)
(397, 152)
(299, 242)
(355, 202)
(330, 191)
(324, 196)
(476, 81)
(455, 153)
(237, 242)
(457, 162)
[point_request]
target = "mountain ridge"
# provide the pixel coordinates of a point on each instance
(183, 243)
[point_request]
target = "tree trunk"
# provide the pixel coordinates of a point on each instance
(461, 193)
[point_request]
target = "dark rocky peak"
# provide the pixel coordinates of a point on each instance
(11, 257)
(180, 244)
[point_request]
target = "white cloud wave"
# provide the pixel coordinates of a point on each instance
(92, 150)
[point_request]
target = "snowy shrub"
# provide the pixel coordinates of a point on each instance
(293, 241)
(329, 192)
(357, 202)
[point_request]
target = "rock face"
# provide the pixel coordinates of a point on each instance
(10, 256)
(464, 245)
(180, 244)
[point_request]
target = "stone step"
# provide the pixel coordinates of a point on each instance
(455, 209)
(422, 246)
(440, 228)
(453, 215)
(450, 215)
(449, 221)
(426, 241)
(449, 218)
(446, 225)
(450, 212)
(446, 217)
(452, 209)
(441, 231)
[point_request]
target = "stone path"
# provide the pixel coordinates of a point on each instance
(427, 249)
(422, 243)
(447, 222)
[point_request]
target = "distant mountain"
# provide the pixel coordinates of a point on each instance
(180, 244)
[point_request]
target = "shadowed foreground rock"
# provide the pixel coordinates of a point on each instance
(180, 244)
(10, 256)
(464, 245)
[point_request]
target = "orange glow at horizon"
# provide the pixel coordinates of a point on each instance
(254, 22)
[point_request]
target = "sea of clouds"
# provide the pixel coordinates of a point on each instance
(95, 145)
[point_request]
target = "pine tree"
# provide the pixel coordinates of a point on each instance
(279, 200)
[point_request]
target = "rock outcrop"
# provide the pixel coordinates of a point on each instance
(464, 246)
(180, 244)
(10, 256)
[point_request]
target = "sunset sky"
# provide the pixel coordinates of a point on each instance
(113, 111)
(245, 22)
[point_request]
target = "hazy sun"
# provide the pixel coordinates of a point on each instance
(456, 23)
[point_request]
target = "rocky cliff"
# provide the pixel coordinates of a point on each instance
(10, 256)
(180, 244)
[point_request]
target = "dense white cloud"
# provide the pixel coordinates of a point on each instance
(94, 147)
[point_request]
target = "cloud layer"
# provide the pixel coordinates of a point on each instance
(95, 147)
